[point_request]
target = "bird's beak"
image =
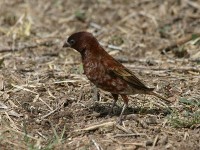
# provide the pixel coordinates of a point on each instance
(66, 44)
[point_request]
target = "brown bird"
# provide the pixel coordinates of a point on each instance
(106, 72)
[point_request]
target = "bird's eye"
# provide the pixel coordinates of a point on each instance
(71, 42)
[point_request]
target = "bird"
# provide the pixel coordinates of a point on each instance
(106, 72)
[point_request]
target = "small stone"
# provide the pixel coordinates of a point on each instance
(168, 146)
(149, 143)
(163, 140)
(38, 121)
(151, 120)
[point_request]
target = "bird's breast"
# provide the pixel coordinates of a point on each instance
(98, 75)
(94, 71)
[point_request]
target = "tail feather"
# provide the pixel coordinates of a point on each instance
(159, 96)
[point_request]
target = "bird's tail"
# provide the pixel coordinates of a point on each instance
(159, 96)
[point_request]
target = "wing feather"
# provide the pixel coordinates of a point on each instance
(128, 76)
(117, 69)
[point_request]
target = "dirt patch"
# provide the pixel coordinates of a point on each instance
(47, 103)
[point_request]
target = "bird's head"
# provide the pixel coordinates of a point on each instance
(81, 41)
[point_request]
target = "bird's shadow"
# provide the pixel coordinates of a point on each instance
(103, 110)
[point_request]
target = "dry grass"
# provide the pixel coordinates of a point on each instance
(46, 102)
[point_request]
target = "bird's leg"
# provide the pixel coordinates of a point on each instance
(115, 96)
(96, 95)
(125, 98)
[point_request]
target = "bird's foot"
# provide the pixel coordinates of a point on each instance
(96, 95)
(110, 112)
(119, 121)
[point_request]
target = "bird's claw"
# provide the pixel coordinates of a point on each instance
(119, 121)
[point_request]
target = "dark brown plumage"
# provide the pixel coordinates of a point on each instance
(106, 72)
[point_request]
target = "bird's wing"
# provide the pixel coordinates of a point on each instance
(128, 76)
(117, 69)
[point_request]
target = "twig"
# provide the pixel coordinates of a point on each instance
(123, 129)
(94, 25)
(46, 104)
(193, 4)
(97, 145)
(186, 135)
(42, 135)
(67, 81)
(50, 94)
(123, 143)
(12, 123)
(155, 142)
(95, 127)
(51, 112)
(128, 135)
(133, 60)
(23, 88)
(114, 47)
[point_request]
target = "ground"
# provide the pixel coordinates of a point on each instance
(47, 103)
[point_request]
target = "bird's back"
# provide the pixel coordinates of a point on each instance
(110, 75)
